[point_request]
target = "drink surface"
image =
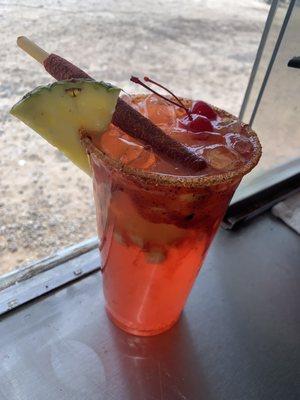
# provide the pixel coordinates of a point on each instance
(219, 139)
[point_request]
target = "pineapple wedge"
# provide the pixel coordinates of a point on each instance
(60, 110)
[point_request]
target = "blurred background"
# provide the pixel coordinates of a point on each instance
(202, 49)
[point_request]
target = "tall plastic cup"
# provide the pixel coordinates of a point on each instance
(154, 232)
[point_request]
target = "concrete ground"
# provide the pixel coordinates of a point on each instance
(199, 48)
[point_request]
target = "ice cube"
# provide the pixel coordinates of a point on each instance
(228, 125)
(198, 139)
(127, 98)
(239, 143)
(221, 158)
(159, 110)
(110, 143)
(144, 160)
(130, 150)
(122, 147)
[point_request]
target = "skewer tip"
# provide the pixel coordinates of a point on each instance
(32, 49)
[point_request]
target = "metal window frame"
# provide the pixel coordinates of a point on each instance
(259, 54)
(272, 60)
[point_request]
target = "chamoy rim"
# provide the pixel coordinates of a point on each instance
(185, 181)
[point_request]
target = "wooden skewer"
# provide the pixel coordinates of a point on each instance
(32, 49)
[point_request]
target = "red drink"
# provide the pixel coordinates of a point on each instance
(156, 220)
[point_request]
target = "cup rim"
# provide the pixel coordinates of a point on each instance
(159, 179)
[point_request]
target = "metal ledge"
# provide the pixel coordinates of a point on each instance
(47, 263)
(67, 265)
(238, 337)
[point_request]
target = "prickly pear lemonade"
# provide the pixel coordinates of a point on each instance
(156, 215)
(155, 219)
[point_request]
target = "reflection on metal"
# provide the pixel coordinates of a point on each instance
(47, 263)
(271, 63)
(258, 56)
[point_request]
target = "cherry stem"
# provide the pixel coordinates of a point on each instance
(166, 89)
(180, 104)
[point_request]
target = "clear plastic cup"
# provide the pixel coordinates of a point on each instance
(154, 232)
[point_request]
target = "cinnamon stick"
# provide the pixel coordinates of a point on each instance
(62, 69)
(131, 121)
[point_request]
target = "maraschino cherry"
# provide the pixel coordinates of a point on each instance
(196, 120)
(202, 108)
(198, 123)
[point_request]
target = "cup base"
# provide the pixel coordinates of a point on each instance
(139, 332)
